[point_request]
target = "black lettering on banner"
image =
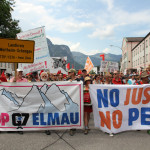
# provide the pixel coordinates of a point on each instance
(20, 119)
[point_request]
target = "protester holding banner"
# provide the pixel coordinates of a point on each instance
(107, 78)
(87, 104)
(132, 80)
(116, 79)
(84, 74)
(35, 77)
(96, 79)
(19, 77)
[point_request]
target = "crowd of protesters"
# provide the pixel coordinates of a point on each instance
(108, 78)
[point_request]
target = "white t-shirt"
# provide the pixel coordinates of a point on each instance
(131, 82)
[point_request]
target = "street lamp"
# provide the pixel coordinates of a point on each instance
(119, 48)
(115, 46)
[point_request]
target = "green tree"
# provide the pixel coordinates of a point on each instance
(8, 26)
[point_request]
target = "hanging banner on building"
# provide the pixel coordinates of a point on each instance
(41, 106)
(56, 64)
(16, 51)
(88, 65)
(109, 66)
(41, 51)
(120, 108)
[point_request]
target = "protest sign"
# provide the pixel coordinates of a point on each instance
(109, 66)
(41, 106)
(56, 64)
(16, 51)
(120, 108)
(41, 48)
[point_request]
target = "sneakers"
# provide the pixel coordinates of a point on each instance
(110, 134)
(72, 132)
(47, 132)
(148, 131)
(86, 131)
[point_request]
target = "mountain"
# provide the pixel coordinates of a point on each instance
(78, 59)
(56, 97)
(47, 99)
(81, 58)
(61, 51)
(7, 102)
(30, 100)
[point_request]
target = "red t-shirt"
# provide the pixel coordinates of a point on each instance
(114, 81)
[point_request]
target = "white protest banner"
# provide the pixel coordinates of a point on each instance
(41, 106)
(120, 108)
(57, 64)
(109, 66)
(41, 52)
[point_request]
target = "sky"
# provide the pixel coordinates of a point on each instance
(87, 26)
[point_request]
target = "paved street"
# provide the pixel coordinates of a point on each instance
(61, 140)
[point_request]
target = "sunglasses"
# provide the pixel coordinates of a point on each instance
(44, 76)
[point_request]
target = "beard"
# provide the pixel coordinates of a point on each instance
(44, 80)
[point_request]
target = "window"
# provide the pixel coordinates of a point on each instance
(143, 59)
(8, 65)
(146, 57)
(138, 61)
(140, 48)
(146, 44)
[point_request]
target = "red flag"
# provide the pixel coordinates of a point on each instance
(72, 66)
(79, 72)
(103, 57)
(68, 66)
(3, 78)
(59, 72)
(3, 75)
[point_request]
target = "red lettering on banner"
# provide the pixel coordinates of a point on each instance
(126, 102)
(105, 120)
(119, 114)
(134, 101)
(4, 118)
(147, 96)
(117, 121)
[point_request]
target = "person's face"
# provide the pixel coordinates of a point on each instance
(133, 77)
(20, 74)
(55, 76)
(88, 82)
(60, 76)
(98, 77)
(145, 80)
(84, 73)
(44, 77)
(116, 75)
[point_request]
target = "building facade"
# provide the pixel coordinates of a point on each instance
(6, 67)
(127, 45)
(141, 54)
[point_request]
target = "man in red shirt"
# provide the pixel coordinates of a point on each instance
(116, 79)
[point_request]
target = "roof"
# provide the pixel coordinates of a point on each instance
(134, 39)
(141, 41)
